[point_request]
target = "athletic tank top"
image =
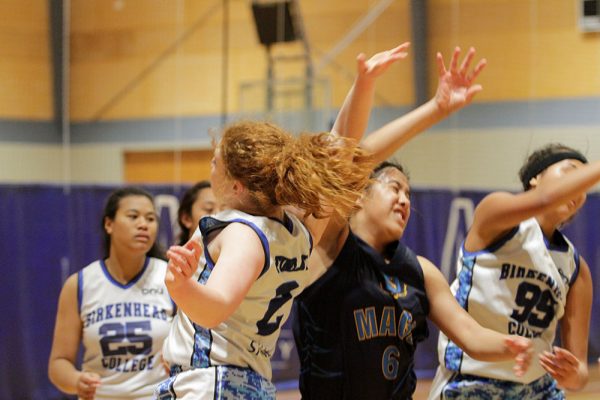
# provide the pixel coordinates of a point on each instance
(124, 326)
(517, 286)
(357, 327)
(248, 337)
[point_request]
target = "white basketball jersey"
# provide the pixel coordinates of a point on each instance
(124, 327)
(517, 286)
(248, 337)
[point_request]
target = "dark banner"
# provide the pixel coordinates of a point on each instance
(48, 233)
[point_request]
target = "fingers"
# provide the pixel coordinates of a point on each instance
(399, 51)
(195, 244)
(518, 344)
(472, 91)
(440, 62)
(478, 68)
(87, 384)
(522, 348)
(547, 363)
(454, 60)
(560, 364)
(402, 48)
(361, 63)
(463, 71)
(182, 260)
(467, 61)
(565, 356)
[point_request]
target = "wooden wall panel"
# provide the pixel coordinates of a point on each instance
(25, 64)
(187, 166)
(112, 46)
(534, 48)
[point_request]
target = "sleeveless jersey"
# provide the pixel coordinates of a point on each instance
(248, 337)
(357, 327)
(517, 286)
(124, 326)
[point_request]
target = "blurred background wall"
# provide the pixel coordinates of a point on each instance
(99, 93)
(154, 75)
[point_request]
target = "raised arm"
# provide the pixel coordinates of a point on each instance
(501, 211)
(479, 342)
(353, 117)
(456, 89)
(568, 364)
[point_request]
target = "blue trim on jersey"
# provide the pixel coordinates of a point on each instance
(131, 282)
(202, 337)
(263, 240)
(202, 344)
(79, 290)
(453, 354)
(493, 246)
(165, 390)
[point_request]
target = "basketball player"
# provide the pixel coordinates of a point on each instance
(197, 201)
(357, 327)
(255, 254)
(117, 307)
(517, 274)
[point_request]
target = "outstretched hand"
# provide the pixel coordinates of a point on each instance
(522, 349)
(183, 263)
(456, 86)
(563, 366)
(380, 62)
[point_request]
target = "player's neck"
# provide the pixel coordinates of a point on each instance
(124, 268)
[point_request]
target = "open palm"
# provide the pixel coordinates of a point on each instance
(456, 86)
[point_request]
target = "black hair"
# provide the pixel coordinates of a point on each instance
(110, 210)
(379, 169)
(185, 208)
(544, 157)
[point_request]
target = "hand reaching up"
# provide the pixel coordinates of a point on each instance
(380, 62)
(456, 86)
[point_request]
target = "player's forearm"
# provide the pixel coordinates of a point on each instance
(478, 342)
(201, 304)
(63, 374)
(353, 118)
(389, 138)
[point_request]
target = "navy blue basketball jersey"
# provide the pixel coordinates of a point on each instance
(357, 327)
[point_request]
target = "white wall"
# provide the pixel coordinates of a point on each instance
(449, 158)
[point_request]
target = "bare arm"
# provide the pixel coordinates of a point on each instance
(479, 342)
(500, 211)
(353, 117)
(238, 264)
(568, 365)
(456, 89)
(65, 345)
(351, 123)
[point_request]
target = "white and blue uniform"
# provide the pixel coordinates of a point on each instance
(124, 326)
(232, 360)
(516, 286)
